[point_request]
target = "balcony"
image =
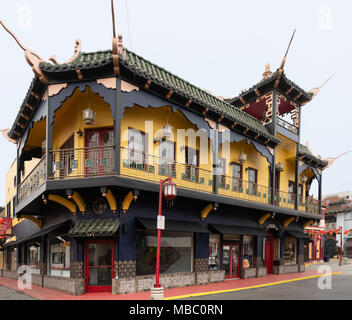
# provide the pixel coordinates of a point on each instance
(99, 161)
(290, 127)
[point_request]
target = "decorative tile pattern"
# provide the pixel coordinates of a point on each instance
(201, 265)
(127, 269)
(76, 270)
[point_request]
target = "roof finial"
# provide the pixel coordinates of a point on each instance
(115, 54)
(32, 58)
(267, 73)
(316, 90)
(281, 69)
(331, 160)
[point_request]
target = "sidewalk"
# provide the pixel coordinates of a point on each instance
(174, 293)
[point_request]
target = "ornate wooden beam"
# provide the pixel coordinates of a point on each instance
(288, 91)
(111, 200)
(79, 201)
(64, 202)
(205, 111)
(79, 74)
(187, 105)
(298, 95)
(24, 116)
(127, 201)
(206, 211)
(264, 218)
(220, 118)
(243, 100)
(29, 106)
(245, 131)
(256, 91)
(147, 85)
(288, 221)
(168, 96)
(37, 221)
(308, 223)
(35, 95)
(256, 136)
(233, 125)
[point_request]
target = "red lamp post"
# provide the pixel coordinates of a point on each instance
(340, 229)
(169, 194)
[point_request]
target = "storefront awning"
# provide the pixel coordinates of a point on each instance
(245, 231)
(297, 234)
(39, 233)
(173, 225)
(94, 228)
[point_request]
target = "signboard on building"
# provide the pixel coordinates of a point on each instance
(5, 227)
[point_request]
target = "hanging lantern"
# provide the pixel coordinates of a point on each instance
(304, 179)
(2, 220)
(280, 167)
(346, 232)
(167, 131)
(336, 231)
(242, 157)
(170, 190)
(331, 232)
(88, 116)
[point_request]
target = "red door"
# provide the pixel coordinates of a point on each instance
(269, 255)
(231, 260)
(98, 151)
(99, 265)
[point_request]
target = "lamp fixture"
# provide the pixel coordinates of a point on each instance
(135, 194)
(304, 179)
(45, 199)
(79, 132)
(170, 190)
(88, 114)
(242, 157)
(167, 129)
(215, 206)
(280, 166)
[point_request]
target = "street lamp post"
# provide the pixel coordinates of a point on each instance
(157, 292)
(340, 229)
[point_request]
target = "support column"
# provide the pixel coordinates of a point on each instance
(215, 159)
(320, 192)
(118, 114)
(300, 255)
(77, 262)
(49, 139)
(272, 128)
(201, 252)
(242, 276)
(279, 269)
(127, 247)
(43, 256)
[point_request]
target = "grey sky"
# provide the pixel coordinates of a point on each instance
(221, 45)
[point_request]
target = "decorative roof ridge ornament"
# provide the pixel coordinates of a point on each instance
(5, 135)
(76, 53)
(115, 44)
(267, 73)
(32, 58)
(315, 91)
(281, 69)
(331, 160)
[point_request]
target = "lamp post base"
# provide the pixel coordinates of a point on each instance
(157, 293)
(340, 263)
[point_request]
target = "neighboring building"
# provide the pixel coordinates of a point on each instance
(338, 211)
(84, 124)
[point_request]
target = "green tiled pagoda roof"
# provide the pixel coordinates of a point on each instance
(165, 79)
(94, 227)
(304, 151)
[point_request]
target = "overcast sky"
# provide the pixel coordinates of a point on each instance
(221, 46)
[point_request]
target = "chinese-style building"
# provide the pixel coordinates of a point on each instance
(100, 131)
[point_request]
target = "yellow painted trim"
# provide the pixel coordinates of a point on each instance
(127, 201)
(79, 201)
(264, 218)
(111, 199)
(252, 287)
(206, 211)
(10, 239)
(38, 222)
(308, 223)
(288, 221)
(61, 200)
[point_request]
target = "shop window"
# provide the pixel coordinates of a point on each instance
(290, 250)
(248, 252)
(252, 180)
(214, 252)
(34, 256)
(192, 164)
(59, 257)
(236, 177)
(176, 252)
(137, 149)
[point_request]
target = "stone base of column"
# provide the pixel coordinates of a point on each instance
(157, 293)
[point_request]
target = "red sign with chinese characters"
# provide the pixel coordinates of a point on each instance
(6, 227)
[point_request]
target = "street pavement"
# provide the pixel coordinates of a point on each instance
(10, 294)
(341, 288)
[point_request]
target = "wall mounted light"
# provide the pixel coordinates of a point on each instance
(304, 179)
(216, 206)
(280, 167)
(88, 116)
(45, 199)
(242, 157)
(79, 132)
(135, 194)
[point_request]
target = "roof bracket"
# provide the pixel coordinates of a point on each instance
(207, 210)
(264, 218)
(288, 221)
(64, 202)
(75, 196)
(127, 201)
(308, 223)
(111, 199)
(37, 221)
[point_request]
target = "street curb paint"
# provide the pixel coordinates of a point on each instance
(252, 287)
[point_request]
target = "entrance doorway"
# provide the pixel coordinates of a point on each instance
(99, 151)
(99, 262)
(269, 254)
(231, 260)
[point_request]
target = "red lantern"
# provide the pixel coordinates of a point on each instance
(331, 232)
(2, 220)
(170, 190)
(346, 232)
(336, 231)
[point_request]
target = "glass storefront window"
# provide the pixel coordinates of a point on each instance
(214, 252)
(34, 256)
(290, 250)
(248, 251)
(59, 257)
(176, 252)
